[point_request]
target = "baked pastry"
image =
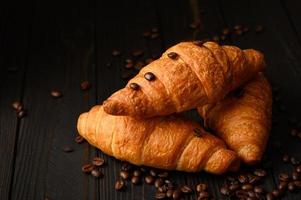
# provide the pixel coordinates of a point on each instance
(186, 76)
(170, 142)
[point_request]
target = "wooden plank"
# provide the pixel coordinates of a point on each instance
(60, 58)
(121, 27)
(282, 51)
(13, 59)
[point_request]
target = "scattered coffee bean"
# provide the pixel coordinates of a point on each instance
(201, 187)
(85, 85)
(160, 195)
(96, 173)
(97, 161)
(259, 28)
(239, 32)
(258, 189)
(149, 76)
(294, 161)
(276, 193)
(124, 174)
(295, 176)
(283, 177)
(252, 194)
(297, 184)
(56, 94)
(67, 149)
(186, 189)
(247, 187)
(159, 182)
(270, 196)
(17, 106)
(87, 168)
(291, 186)
(135, 180)
(203, 195)
(125, 166)
(163, 175)
(253, 179)
(79, 139)
(119, 185)
(172, 55)
(149, 179)
(286, 158)
(234, 187)
(21, 114)
(169, 193)
(260, 172)
(137, 53)
(128, 60)
(134, 86)
(224, 190)
(242, 179)
(163, 188)
(116, 52)
(282, 185)
(129, 65)
(237, 27)
(298, 169)
(143, 169)
(154, 36)
(170, 185)
(137, 172)
(153, 172)
(176, 194)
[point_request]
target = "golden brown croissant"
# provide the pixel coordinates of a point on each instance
(244, 121)
(186, 76)
(170, 142)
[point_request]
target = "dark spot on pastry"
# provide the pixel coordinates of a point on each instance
(173, 55)
(149, 76)
(134, 86)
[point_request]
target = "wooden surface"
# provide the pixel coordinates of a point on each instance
(47, 45)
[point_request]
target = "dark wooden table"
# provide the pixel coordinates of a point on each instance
(57, 44)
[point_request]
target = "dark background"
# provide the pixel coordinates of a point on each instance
(55, 44)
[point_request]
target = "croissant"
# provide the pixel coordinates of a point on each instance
(187, 75)
(170, 142)
(243, 121)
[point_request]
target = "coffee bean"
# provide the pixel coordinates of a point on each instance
(237, 27)
(297, 184)
(172, 55)
(87, 168)
(56, 94)
(260, 172)
(96, 173)
(295, 176)
(291, 186)
(276, 193)
(79, 139)
(124, 174)
(135, 180)
(154, 35)
(159, 182)
(253, 179)
(258, 189)
(242, 179)
(224, 190)
(17, 106)
(283, 177)
(176, 194)
(163, 175)
(298, 169)
(125, 166)
(128, 60)
(134, 86)
(129, 65)
(186, 189)
(239, 32)
(170, 185)
(247, 187)
(67, 149)
(116, 52)
(201, 187)
(153, 172)
(143, 169)
(21, 114)
(149, 179)
(85, 85)
(282, 185)
(203, 195)
(169, 193)
(226, 31)
(149, 76)
(119, 185)
(251, 194)
(270, 196)
(259, 28)
(234, 187)
(137, 172)
(160, 195)
(163, 188)
(137, 53)
(285, 158)
(97, 161)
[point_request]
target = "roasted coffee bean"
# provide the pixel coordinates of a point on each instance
(87, 168)
(283, 177)
(282, 185)
(163, 174)
(260, 172)
(276, 193)
(149, 179)
(170, 185)
(169, 193)
(149, 76)
(258, 189)
(295, 176)
(97, 161)
(291, 186)
(247, 187)
(85, 85)
(258, 28)
(237, 27)
(137, 172)
(240, 194)
(124, 174)
(137, 53)
(79, 139)
(119, 185)
(96, 173)
(239, 32)
(153, 172)
(154, 35)
(163, 188)
(226, 31)
(21, 114)
(17, 106)
(135, 180)
(201, 187)
(252, 194)
(129, 65)
(116, 52)
(224, 190)
(234, 187)
(160, 195)
(285, 158)
(56, 94)
(297, 184)
(176, 194)
(298, 169)
(203, 195)
(186, 189)
(242, 179)
(254, 179)
(128, 60)
(159, 182)
(143, 169)
(67, 149)
(172, 55)
(126, 166)
(270, 196)
(134, 86)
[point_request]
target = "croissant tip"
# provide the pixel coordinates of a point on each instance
(80, 122)
(250, 154)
